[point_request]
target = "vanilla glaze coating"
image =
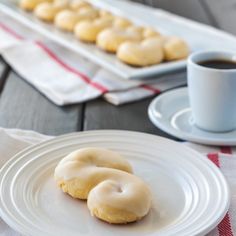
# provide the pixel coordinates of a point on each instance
(105, 179)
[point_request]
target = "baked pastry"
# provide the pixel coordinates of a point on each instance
(77, 4)
(135, 28)
(149, 32)
(121, 22)
(70, 171)
(46, 11)
(145, 53)
(88, 13)
(29, 5)
(175, 49)
(105, 13)
(110, 39)
(104, 178)
(87, 31)
(146, 32)
(61, 3)
(67, 19)
(120, 202)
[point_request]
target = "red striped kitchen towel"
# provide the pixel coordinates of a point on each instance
(225, 159)
(64, 76)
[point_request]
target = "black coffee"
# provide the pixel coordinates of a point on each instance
(218, 64)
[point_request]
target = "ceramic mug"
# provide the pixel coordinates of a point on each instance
(212, 92)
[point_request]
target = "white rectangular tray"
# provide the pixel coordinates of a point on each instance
(197, 35)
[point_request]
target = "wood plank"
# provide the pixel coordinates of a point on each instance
(4, 69)
(99, 114)
(22, 106)
(140, 1)
(222, 13)
(191, 9)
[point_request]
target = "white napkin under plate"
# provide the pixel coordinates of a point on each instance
(13, 141)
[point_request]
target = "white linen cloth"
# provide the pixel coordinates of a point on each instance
(13, 141)
(66, 78)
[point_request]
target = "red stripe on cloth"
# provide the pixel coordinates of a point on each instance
(226, 150)
(150, 88)
(11, 32)
(52, 55)
(70, 69)
(224, 227)
(214, 157)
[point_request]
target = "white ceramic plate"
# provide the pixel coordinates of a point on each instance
(190, 195)
(171, 112)
(197, 35)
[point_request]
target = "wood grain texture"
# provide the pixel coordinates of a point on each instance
(21, 106)
(2, 67)
(101, 115)
(4, 70)
(222, 13)
(140, 1)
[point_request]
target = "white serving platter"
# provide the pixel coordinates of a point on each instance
(197, 35)
(190, 196)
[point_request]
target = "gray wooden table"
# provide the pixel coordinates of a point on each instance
(21, 106)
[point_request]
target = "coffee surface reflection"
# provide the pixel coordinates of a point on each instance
(218, 64)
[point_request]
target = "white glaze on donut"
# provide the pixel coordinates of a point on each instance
(107, 179)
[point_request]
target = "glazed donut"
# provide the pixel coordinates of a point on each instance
(146, 32)
(88, 13)
(135, 28)
(46, 11)
(77, 4)
(104, 178)
(121, 22)
(145, 53)
(149, 32)
(110, 39)
(105, 13)
(67, 19)
(175, 49)
(87, 31)
(61, 3)
(29, 5)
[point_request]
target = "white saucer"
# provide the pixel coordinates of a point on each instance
(171, 113)
(190, 196)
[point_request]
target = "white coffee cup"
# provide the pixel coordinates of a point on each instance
(212, 92)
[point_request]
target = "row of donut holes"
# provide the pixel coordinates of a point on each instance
(133, 45)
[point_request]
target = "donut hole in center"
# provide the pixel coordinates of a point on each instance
(119, 189)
